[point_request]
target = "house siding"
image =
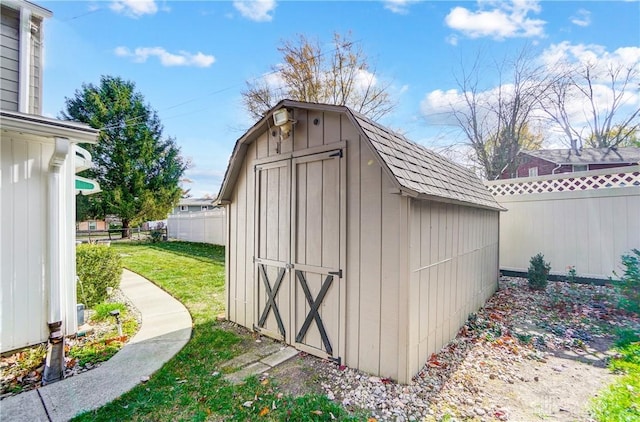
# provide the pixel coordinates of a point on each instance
(9, 58)
(24, 265)
(548, 168)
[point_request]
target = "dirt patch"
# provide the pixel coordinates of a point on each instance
(558, 389)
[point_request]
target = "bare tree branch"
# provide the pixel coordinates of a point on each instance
(340, 76)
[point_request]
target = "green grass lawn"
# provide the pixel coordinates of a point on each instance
(186, 388)
(620, 402)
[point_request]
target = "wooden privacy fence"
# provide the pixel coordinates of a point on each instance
(586, 220)
(200, 226)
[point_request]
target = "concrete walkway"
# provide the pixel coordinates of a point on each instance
(165, 329)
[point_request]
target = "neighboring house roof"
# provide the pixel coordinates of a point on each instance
(619, 155)
(195, 202)
(414, 169)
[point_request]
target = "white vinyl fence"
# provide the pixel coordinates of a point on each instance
(201, 226)
(586, 220)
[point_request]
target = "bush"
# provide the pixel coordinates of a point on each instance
(628, 286)
(157, 236)
(538, 272)
(98, 267)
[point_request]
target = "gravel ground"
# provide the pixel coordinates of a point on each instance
(525, 356)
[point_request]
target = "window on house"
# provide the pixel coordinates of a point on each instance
(93, 225)
(184, 208)
(580, 167)
(533, 171)
(204, 208)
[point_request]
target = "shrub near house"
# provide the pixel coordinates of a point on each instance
(98, 267)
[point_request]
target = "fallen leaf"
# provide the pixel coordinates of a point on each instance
(265, 381)
(248, 403)
(264, 412)
(317, 412)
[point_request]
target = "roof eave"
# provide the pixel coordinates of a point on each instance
(47, 128)
(443, 199)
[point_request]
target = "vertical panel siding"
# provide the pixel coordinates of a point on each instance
(370, 260)
(454, 267)
(22, 228)
(10, 57)
(353, 226)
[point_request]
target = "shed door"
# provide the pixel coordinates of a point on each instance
(300, 209)
(317, 246)
(272, 258)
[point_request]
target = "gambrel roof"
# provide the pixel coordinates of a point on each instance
(414, 169)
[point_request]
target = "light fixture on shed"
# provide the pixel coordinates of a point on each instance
(282, 119)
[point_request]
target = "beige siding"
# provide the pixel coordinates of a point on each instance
(453, 271)
(374, 248)
(10, 58)
(241, 246)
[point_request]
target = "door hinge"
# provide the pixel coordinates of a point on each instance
(336, 154)
(338, 273)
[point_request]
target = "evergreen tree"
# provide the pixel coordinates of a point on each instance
(137, 167)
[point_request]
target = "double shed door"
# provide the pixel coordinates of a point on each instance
(300, 246)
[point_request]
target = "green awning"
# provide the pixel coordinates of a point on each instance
(86, 186)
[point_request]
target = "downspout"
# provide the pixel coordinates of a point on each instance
(54, 366)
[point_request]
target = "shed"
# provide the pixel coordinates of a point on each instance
(352, 243)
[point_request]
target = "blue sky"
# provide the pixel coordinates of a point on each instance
(190, 59)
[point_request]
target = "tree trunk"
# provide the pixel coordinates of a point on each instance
(125, 229)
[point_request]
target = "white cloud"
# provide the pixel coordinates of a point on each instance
(497, 19)
(134, 8)
(436, 106)
(182, 58)
(594, 55)
(256, 10)
(581, 18)
(400, 7)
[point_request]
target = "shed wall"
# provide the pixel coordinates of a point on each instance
(453, 254)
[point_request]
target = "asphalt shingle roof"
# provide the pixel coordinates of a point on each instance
(422, 170)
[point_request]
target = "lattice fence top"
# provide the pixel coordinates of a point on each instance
(568, 182)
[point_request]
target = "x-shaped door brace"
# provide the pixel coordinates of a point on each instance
(313, 312)
(271, 298)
